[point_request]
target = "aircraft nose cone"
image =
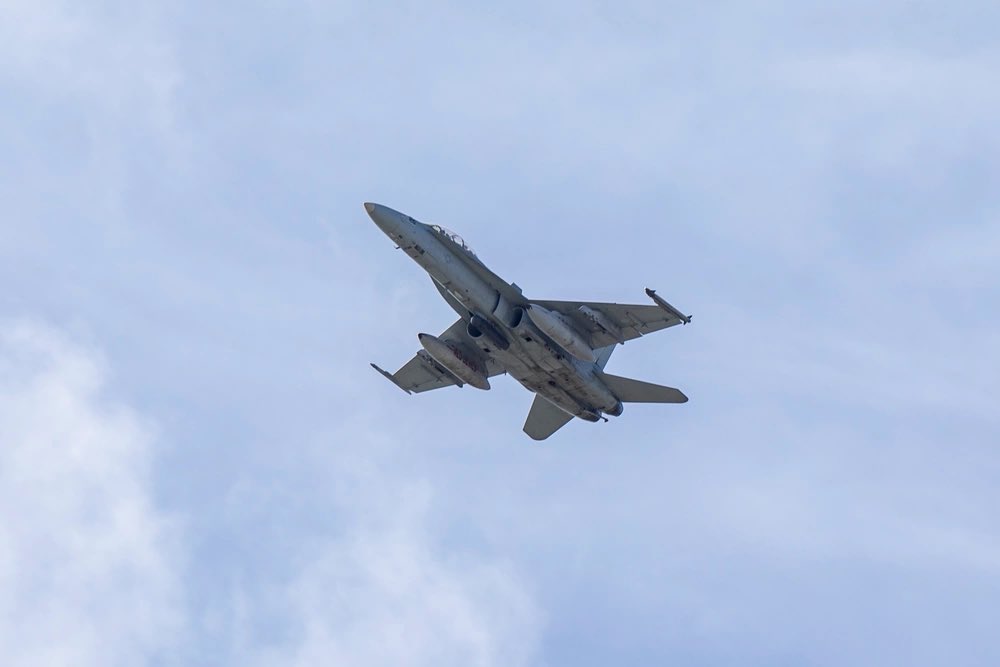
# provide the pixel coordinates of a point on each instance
(386, 219)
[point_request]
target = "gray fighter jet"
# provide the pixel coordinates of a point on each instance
(556, 349)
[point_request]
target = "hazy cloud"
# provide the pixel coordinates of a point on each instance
(88, 564)
(387, 594)
(818, 185)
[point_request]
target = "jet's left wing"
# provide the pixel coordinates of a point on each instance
(422, 373)
(609, 323)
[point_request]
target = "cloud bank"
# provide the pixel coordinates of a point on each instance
(88, 563)
(234, 485)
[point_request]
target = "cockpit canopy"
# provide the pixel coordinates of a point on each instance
(454, 237)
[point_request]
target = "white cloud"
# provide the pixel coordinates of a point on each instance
(955, 257)
(383, 589)
(896, 77)
(89, 83)
(86, 569)
(897, 112)
(114, 59)
(729, 140)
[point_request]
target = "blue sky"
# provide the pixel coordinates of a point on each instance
(198, 467)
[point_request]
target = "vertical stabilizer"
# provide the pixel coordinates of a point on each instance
(603, 354)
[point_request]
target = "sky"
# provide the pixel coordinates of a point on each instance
(198, 466)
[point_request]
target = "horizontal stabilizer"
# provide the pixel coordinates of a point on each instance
(636, 391)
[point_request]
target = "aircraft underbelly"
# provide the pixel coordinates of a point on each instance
(564, 383)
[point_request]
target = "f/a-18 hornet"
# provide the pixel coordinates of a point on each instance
(556, 349)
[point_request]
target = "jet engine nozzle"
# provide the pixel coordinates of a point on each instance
(485, 328)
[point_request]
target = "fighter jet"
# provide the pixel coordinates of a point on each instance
(555, 349)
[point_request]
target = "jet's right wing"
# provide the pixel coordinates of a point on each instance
(610, 323)
(544, 419)
(422, 373)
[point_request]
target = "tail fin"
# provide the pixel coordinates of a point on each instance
(636, 391)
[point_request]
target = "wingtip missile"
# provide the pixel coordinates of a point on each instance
(659, 301)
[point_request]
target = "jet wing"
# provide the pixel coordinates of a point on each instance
(610, 323)
(544, 419)
(422, 373)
